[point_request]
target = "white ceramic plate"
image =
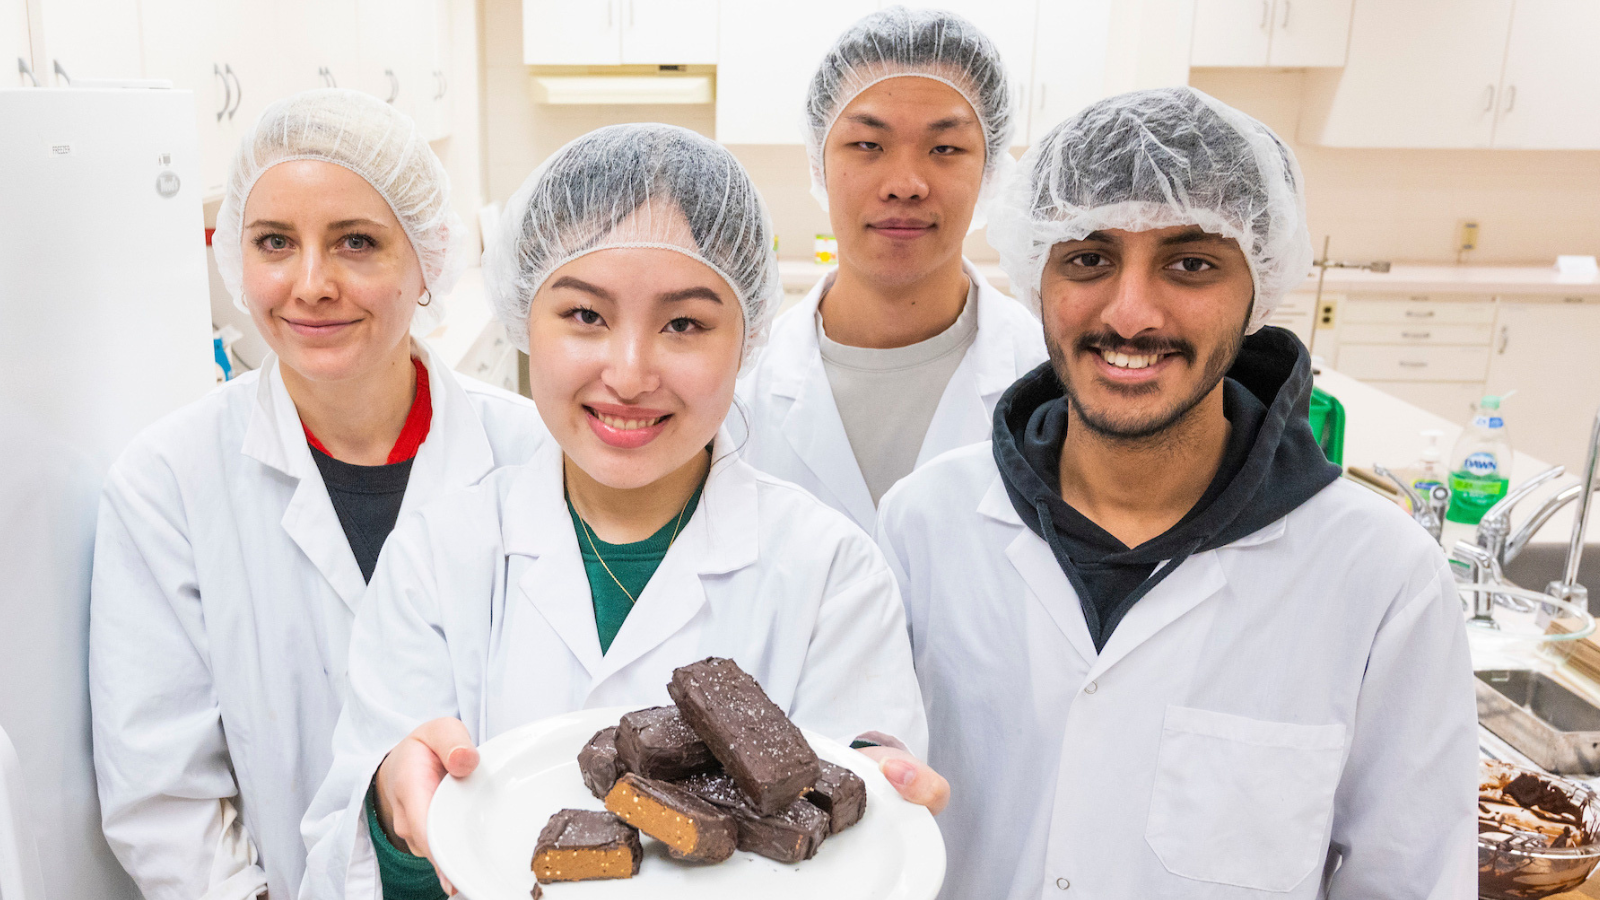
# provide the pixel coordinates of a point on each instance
(483, 828)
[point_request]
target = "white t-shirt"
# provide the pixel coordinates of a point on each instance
(887, 398)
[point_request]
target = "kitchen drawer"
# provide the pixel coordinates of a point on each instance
(1386, 362)
(1420, 333)
(1477, 311)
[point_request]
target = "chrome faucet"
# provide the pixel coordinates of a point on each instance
(1494, 533)
(1429, 512)
(1568, 587)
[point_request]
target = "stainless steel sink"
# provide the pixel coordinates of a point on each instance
(1549, 724)
(1539, 564)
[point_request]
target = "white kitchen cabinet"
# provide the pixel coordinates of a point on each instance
(436, 119)
(571, 33)
(15, 50)
(1419, 74)
(1545, 352)
(89, 40)
(1067, 74)
(669, 32)
(1550, 93)
(617, 32)
(319, 50)
(1232, 32)
(1310, 32)
(189, 43)
(1012, 25)
(1286, 33)
(766, 56)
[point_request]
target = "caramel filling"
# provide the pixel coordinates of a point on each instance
(583, 865)
(665, 825)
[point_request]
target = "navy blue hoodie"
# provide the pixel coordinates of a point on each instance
(1271, 465)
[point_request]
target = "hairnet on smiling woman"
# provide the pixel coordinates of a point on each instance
(924, 43)
(1155, 159)
(372, 139)
(642, 185)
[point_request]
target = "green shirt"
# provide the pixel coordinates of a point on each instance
(408, 877)
(630, 564)
(404, 877)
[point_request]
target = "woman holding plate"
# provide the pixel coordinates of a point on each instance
(637, 266)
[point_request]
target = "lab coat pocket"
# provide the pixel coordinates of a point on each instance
(1242, 801)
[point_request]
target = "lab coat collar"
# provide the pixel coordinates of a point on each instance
(1199, 578)
(456, 453)
(813, 425)
(721, 536)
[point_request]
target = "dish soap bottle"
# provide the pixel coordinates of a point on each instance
(1428, 471)
(1480, 464)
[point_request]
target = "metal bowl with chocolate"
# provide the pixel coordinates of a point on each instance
(1537, 834)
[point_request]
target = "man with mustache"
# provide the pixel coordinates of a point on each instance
(1165, 650)
(903, 352)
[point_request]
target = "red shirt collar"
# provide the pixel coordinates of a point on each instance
(415, 430)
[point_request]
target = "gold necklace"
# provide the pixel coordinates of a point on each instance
(588, 535)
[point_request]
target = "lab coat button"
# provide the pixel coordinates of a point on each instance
(1063, 883)
(1091, 687)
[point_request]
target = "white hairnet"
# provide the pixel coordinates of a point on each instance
(1155, 159)
(643, 185)
(372, 139)
(928, 43)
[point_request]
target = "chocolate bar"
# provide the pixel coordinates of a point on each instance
(755, 742)
(794, 834)
(584, 845)
(657, 743)
(841, 794)
(598, 764)
(689, 826)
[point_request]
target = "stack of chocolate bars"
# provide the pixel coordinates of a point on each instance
(722, 770)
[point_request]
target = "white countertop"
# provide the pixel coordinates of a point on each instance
(1527, 280)
(1380, 428)
(1534, 281)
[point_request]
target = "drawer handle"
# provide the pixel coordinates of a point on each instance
(1505, 338)
(1419, 313)
(1413, 364)
(1416, 335)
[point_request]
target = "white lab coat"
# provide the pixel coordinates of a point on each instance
(1299, 698)
(481, 610)
(223, 595)
(794, 429)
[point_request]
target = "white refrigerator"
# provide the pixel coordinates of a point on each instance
(104, 327)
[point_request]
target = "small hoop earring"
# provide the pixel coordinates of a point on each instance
(429, 295)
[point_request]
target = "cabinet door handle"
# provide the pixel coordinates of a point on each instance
(62, 73)
(1266, 14)
(1511, 98)
(1416, 335)
(23, 69)
(227, 95)
(238, 89)
(630, 12)
(1488, 98)
(1043, 92)
(1419, 313)
(611, 20)
(1413, 364)
(394, 86)
(1505, 338)
(1285, 22)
